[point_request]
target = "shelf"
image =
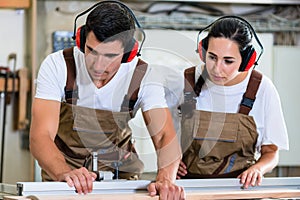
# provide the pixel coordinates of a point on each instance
(14, 3)
(294, 2)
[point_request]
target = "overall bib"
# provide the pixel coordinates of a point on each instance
(83, 131)
(218, 145)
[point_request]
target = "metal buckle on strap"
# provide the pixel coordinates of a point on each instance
(71, 94)
(189, 97)
(247, 102)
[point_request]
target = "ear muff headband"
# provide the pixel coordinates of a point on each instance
(79, 35)
(248, 55)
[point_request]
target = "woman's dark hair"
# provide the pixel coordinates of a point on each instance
(233, 29)
(110, 22)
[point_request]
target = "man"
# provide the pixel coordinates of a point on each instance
(75, 116)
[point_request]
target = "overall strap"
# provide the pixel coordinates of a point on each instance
(71, 89)
(132, 94)
(189, 79)
(191, 86)
(250, 94)
(189, 95)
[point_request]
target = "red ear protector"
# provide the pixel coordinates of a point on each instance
(248, 55)
(131, 50)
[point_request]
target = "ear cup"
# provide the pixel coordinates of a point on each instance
(130, 51)
(202, 48)
(80, 38)
(248, 58)
(79, 35)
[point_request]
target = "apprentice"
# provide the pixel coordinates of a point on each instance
(232, 120)
(85, 97)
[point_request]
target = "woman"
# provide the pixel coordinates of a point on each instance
(226, 131)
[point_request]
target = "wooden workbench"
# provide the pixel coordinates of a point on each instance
(262, 194)
(274, 188)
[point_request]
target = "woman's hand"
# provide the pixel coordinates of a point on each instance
(181, 170)
(267, 161)
(251, 177)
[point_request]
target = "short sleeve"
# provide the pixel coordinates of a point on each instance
(51, 77)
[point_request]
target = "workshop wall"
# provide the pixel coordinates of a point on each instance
(17, 161)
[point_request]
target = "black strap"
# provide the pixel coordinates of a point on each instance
(189, 103)
(250, 94)
(132, 94)
(189, 83)
(191, 90)
(71, 88)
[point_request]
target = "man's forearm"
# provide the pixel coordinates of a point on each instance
(168, 172)
(160, 126)
(168, 159)
(49, 158)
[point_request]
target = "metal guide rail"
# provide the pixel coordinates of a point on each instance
(285, 187)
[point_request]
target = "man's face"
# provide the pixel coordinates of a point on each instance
(102, 59)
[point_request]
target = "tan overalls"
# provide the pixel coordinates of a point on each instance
(217, 145)
(83, 130)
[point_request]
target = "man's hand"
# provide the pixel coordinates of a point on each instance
(80, 178)
(166, 190)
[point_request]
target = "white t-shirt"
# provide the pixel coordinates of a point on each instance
(172, 79)
(52, 77)
(266, 111)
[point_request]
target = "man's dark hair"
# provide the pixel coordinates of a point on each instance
(110, 22)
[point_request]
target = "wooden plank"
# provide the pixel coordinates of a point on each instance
(22, 99)
(9, 84)
(25, 82)
(15, 198)
(14, 4)
(258, 194)
(7, 189)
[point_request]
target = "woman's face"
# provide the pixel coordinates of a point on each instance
(223, 60)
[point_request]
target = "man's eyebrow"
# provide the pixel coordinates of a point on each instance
(96, 52)
(211, 53)
(90, 48)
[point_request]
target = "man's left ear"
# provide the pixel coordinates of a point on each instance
(130, 51)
